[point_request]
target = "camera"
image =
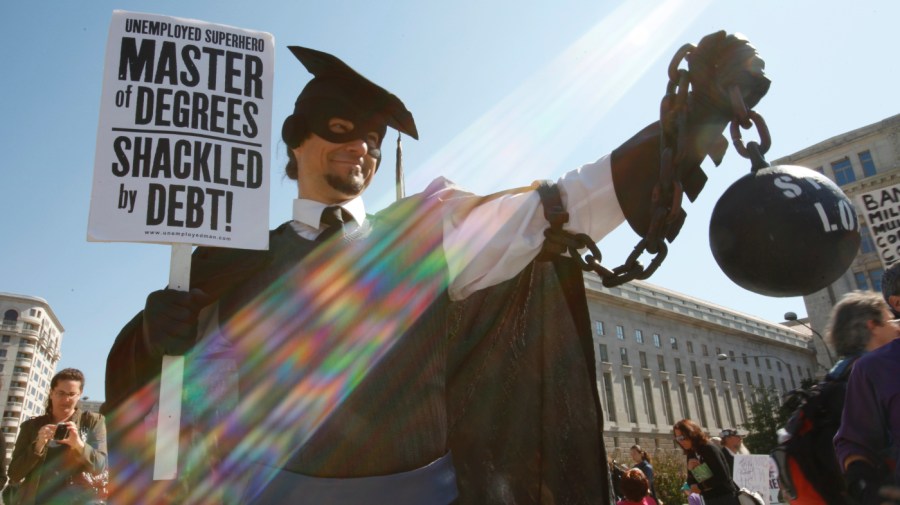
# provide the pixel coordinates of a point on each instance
(62, 430)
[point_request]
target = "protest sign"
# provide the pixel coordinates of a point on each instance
(183, 143)
(881, 210)
(751, 471)
(182, 156)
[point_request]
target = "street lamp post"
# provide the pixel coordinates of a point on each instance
(791, 316)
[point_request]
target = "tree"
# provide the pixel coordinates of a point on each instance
(766, 417)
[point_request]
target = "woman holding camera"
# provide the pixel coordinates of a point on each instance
(60, 457)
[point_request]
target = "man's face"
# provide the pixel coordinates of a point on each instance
(884, 332)
(331, 172)
(733, 442)
(65, 396)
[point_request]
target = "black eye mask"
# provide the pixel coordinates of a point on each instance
(320, 115)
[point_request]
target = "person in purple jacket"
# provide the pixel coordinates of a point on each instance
(866, 442)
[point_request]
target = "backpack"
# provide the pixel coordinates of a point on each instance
(807, 465)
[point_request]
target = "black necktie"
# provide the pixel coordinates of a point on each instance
(333, 221)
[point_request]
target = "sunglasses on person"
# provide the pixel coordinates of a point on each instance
(679, 438)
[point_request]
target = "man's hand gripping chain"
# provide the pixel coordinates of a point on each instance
(724, 80)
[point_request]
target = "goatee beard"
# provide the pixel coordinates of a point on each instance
(350, 187)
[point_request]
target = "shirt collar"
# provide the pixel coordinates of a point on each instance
(309, 212)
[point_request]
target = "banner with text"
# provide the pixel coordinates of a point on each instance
(758, 473)
(881, 210)
(183, 145)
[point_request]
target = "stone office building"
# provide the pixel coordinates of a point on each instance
(663, 356)
(859, 161)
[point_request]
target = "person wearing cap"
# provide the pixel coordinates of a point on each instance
(405, 356)
(733, 444)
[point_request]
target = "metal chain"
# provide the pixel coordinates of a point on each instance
(666, 215)
(746, 119)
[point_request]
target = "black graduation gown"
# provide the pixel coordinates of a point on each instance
(518, 408)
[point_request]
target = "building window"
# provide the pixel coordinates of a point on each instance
(648, 400)
(768, 364)
(642, 356)
(862, 282)
(742, 407)
(667, 400)
(678, 366)
(868, 166)
(701, 408)
(714, 398)
(756, 360)
(772, 381)
(843, 171)
(674, 343)
(778, 365)
(2, 353)
(783, 385)
(604, 356)
(704, 349)
(722, 374)
(5, 339)
(656, 340)
(761, 381)
(620, 332)
(661, 362)
(690, 346)
(749, 379)
(694, 369)
(623, 354)
(876, 275)
(639, 336)
(682, 399)
(744, 357)
(866, 245)
(598, 326)
(629, 399)
(729, 409)
(737, 377)
(610, 400)
(708, 370)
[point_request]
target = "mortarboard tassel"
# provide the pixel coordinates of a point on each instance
(400, 189)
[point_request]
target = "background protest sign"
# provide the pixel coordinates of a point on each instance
(754, 472)
(881, 210)
(183, 142)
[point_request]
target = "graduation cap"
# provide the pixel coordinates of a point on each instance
(337, 90)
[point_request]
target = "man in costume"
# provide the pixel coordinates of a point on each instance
(420, 355)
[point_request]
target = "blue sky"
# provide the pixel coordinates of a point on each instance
(503, 93)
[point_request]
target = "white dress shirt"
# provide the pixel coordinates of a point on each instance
(499, 237)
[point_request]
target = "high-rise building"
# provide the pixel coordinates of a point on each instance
(30, 339)
(859, 161)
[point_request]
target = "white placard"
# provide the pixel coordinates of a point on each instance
(881, 210)
(752, 472)
(183, 143)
